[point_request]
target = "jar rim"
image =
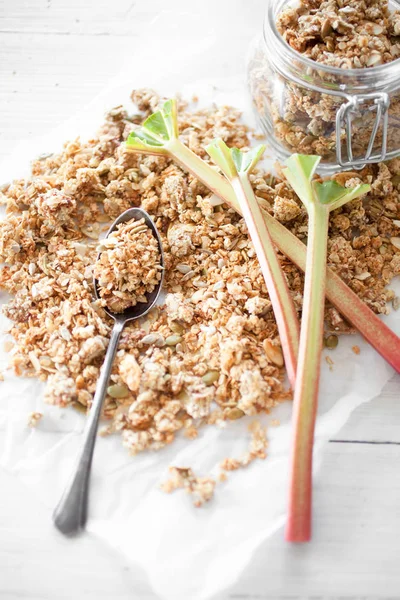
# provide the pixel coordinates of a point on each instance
(387, 69)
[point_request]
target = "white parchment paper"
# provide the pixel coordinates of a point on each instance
(186, 553)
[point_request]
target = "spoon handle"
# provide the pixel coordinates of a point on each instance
(71, 513)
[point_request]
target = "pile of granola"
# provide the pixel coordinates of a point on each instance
(212, 353)
(129, 266)
(347, 35)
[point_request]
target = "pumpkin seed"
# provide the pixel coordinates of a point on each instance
(153, 338)
(210, 377)
(326, 28)
(396, 242)
(234, 413)
(331, 341)
(183, 269)
(173, 340)
(396, 303)
(118, 390)
(273, 352)
(188, 275)
(79, 407)
(177, 327)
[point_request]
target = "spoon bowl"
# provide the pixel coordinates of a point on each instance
(70, 514)
(141, 308)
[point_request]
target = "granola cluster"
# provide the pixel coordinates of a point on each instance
(346, 35)
(128, 267)
(212, 353)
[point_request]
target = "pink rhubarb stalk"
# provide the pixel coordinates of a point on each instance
(159, 136)
(236, 166)
(319, 199)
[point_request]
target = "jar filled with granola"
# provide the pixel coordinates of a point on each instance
(325, 79)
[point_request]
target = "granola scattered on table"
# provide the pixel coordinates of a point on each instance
(212, 353)
(129, 265)
(200, 488)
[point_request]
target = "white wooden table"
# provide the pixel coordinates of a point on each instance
(55, 55)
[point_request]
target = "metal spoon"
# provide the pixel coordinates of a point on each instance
(70, 514)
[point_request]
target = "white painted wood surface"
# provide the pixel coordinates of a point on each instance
(55, 55)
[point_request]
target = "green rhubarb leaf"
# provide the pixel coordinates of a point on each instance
(335, 195)
(299, 171)
(351, 194)
(246, 161)
(137, 140)
(222, 157)
(157, 130)
(329, 191)
(233, 161)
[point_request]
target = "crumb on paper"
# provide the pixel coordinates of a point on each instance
(222, 477)
(329, 362)
(201, 489)
(1, 376)
(191, 433)
(34, 419)
(274, 423)
(8, 346)
(257, 449)
(356, 349)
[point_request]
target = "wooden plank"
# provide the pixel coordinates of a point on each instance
(36, 562)
(378, 420)
(354, 552)
(75, 17)
(119, 18)
(46, 79)
(355, 547)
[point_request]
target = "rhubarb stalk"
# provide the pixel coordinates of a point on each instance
(159, 136)
(319, 199)
(236, 166)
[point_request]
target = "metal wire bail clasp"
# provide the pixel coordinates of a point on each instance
(378, 103)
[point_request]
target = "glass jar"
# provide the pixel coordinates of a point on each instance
(349, 117)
